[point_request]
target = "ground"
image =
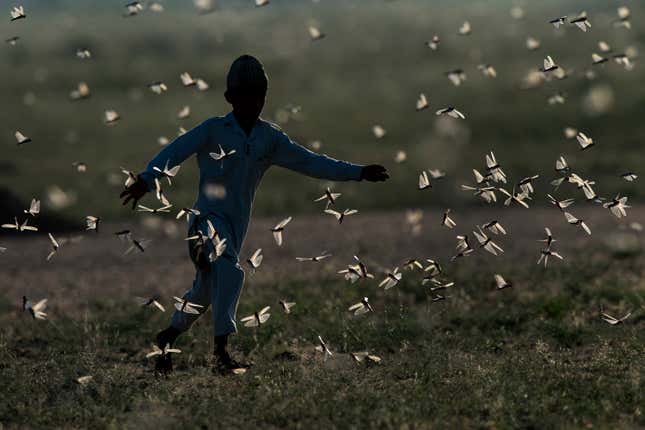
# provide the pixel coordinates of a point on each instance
(535, 355)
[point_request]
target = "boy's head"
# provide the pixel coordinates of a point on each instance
(247, 85)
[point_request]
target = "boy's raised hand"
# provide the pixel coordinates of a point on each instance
(134, 192)
(374, 173)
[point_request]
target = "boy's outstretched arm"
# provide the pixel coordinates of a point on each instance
(172, 155)
(295, 157)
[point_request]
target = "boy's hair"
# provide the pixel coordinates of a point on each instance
(247, 74)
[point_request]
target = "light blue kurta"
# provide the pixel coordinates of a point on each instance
(240, 175)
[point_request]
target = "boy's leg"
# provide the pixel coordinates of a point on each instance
(199, 294)
(227, 278)
(181, 321)
(226, 285)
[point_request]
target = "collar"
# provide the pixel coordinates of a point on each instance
(231, 121)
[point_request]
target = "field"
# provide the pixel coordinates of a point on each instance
(536, 355)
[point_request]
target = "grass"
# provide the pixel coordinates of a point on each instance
(533, 356)
(489, 369)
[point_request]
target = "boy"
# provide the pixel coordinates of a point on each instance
(258, 145)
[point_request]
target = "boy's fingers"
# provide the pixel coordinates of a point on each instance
(125, 202)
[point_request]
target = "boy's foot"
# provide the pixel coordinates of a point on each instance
(163, 364)
(223, 364)
(164, 361)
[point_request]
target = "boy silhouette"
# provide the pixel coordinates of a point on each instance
(258, 145)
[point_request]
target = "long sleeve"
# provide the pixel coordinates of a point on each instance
(176, 152)
(293, 156)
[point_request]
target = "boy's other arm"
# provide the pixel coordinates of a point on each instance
(295, 157)
(173, 154)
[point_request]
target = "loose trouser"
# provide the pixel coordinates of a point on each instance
(219, 286)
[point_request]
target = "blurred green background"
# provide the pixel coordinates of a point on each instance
(369, 70)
